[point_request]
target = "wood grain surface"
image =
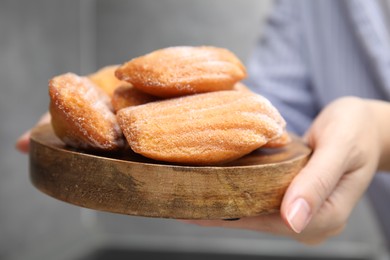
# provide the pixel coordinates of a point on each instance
(128, 183)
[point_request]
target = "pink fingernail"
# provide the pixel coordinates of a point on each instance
(299, 215)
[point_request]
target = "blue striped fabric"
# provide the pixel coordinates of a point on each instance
(313, 52)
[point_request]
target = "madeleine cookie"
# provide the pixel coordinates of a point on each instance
(202, 129)
(127, 96)
(105, 79)
(241, 87)
(81, 114)
(178, 71)
(283, 140)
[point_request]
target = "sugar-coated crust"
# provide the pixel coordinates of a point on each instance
(283, 140)
(202, 129)
(105, 79)
(127, 96)
(241, 87)
(178, 71)
(81, 114)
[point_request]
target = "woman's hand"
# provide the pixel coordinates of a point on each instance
(347, 143)
(23, 143)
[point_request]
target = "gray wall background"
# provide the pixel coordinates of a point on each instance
(43, 38)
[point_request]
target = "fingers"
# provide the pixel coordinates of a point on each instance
(312, 186)
(23, 142)
(332, 217)
(341, 151)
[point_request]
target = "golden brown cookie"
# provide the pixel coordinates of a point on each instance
(105, 79)
(202, 129)
(241, 87)
(283, 140)
(179, 71)
(81, 114)
(127, 96)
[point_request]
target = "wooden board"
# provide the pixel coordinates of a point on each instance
(130, 184)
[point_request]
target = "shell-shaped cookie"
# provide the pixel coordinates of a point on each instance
(202, 129)
(127, 96)
(178, 71)
(81, 114)
(283, 140)
(105, 79)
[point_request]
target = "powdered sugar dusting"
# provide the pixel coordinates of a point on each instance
(201, 129)
(90, 122)
(183, 70)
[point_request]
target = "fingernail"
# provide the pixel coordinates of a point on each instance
(298, 215)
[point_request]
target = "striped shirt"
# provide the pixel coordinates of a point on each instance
(313, 52)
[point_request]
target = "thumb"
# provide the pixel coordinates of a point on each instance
(23, 142)
(312, 186)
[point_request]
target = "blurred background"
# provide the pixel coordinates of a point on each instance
(43, 38)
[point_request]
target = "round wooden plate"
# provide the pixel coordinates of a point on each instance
(130, 184)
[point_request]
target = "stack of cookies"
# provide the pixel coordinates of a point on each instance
(183, 105)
